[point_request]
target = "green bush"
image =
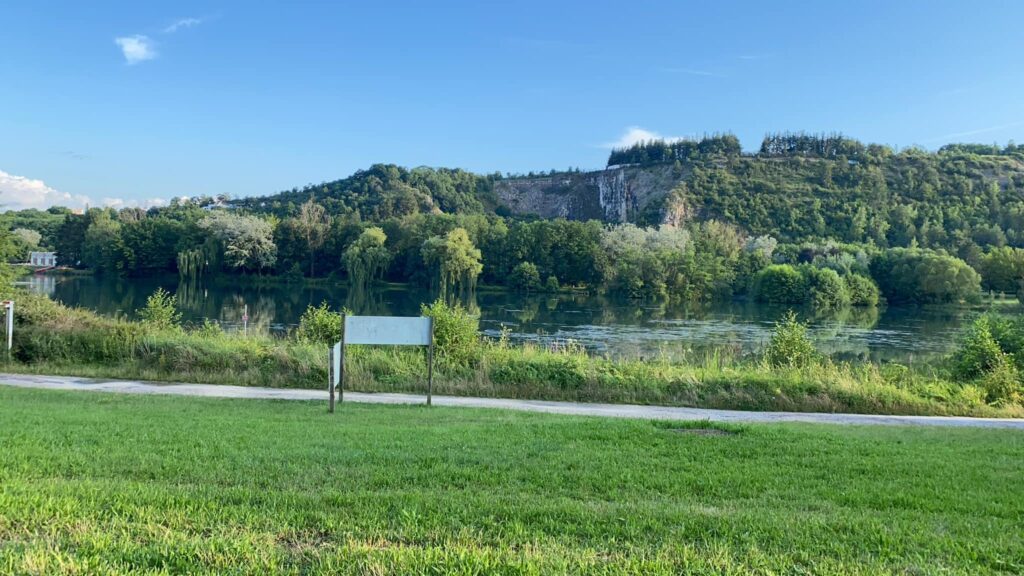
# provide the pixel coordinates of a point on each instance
(780, 284)
(525, 277)
(160, 311)
(862, 290)
(825, 288)
(552, 284)
(319, 325)
(789, 346)
(1002, 383)
(456, 340)
(979, 353)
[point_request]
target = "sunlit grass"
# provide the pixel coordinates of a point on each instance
(96, 483)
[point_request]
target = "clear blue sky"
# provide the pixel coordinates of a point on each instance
(140, 100)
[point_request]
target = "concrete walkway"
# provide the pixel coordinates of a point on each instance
(572, 408)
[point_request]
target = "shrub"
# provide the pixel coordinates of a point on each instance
(979, 353)
(780, 284)
(319, 325)
(525, 277)
(209, 329)
(1002, 383)
(160, 311)
(862, 290)
(552, 284)
(825, 288)
(456, 340)
(789, 345)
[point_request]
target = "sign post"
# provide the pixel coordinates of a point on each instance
(380, 331)
(9, 313)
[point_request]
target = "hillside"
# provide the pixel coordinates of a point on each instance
(796, 188)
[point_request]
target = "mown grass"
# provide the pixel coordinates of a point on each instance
(96, 483)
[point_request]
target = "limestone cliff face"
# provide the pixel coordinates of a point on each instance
(618, 195)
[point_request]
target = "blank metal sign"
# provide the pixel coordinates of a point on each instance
(387, 330)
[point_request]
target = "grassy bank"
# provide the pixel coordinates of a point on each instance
(57, 340)
(95, 483)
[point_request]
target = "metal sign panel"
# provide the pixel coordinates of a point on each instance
(336, 361)
(387, 330)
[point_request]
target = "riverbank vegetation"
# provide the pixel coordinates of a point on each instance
(983, 379)
(95, 483)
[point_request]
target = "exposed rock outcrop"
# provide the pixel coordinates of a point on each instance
(618, 194)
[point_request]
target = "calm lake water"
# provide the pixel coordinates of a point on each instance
(617, 327)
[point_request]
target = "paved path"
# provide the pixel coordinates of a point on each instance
(573, 408)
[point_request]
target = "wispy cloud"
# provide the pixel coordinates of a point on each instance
(758, 56)
(954, 135)
(182, 23)
(635, 134)
(137, 48)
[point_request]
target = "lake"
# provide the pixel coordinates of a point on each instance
(604, 325)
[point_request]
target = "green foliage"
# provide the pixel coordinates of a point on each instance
(456, 334)
(552, 285)
(367, 258)
(210, 329)
(781, 284)
(454, 259)
(102, 247)
(862, 290)
(826, 289)
(525, 277)
(924, 276)
(246, 241)
(789, 346)
(160, 311)
(1002, 270)
(991, 361)
(319, 325)
(660, 151)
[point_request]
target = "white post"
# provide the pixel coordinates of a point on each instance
(9, 307)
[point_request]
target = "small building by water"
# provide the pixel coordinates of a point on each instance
(44, 259)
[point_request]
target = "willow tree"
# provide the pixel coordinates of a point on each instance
(366, 259)
(314, 224)
(454, 260)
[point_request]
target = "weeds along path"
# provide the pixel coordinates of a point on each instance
(550, 407)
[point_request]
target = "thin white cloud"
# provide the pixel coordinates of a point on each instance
(955, 135)
(634, 135)
(182, 23)
(137, 48)
(19, 192)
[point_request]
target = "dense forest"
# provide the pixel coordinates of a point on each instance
(808, 219)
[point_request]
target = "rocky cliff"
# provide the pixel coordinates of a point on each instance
(618, 194)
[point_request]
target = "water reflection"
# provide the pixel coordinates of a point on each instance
(605, 325)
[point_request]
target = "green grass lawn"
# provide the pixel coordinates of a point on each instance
(102, 483)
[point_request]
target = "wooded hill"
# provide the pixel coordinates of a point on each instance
(796, 188)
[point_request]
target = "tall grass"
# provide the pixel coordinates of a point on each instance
(55, 339)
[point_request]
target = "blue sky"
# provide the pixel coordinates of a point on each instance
(138, 102)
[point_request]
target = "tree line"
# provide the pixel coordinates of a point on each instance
(805, 201)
